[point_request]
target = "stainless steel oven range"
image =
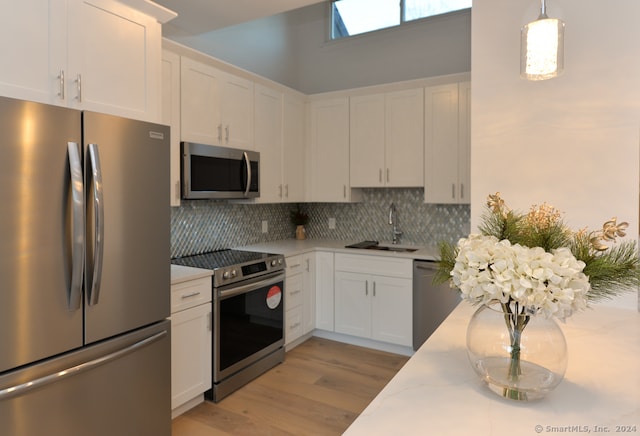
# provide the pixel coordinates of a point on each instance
(248, 315)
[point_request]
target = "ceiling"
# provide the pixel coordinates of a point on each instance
(201, 16)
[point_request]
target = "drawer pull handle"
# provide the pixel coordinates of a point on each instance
(295, 292)
(193, 294)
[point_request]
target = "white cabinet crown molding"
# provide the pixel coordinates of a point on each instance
(159, 12)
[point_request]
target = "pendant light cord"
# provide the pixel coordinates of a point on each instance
(543, 9)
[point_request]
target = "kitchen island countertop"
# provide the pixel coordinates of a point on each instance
(437, 392)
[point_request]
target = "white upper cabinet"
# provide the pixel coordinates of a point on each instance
(367, 141)
(114, 59)
(386, 139)
(237, 112)
(447, 145)
(216, 107)
(279, 137)
(171, 117)
(99, 55)
(404, 151)
(329, 150)
(200, 102)
(268, 141)
(32, 62)
(293, 151)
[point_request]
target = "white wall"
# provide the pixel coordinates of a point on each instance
(291, 49)
(572, 141)
(265, 47)
(432, 47)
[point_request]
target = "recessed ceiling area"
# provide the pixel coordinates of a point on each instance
(200, 16)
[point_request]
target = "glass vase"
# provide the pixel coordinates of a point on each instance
(519, 357)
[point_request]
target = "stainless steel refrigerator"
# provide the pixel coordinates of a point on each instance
(84, 273)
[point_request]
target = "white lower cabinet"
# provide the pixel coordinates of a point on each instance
(371, 305)
(190, 343)
(324, 283)
(299, 296)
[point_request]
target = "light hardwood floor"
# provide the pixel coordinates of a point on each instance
(320, 389)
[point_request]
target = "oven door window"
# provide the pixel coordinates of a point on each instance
(249, 323)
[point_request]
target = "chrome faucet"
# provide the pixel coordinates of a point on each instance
(393, 221)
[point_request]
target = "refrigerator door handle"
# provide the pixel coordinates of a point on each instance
(93, 292)
(21, 389)
(78, 228)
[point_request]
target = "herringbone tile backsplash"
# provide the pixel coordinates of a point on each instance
(199, 226)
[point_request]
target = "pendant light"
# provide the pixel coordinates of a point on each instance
(542, 47)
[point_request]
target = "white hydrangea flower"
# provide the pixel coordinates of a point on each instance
(489, 270)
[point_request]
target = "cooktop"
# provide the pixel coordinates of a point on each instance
(231, 266)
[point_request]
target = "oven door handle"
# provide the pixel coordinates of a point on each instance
(243, 289)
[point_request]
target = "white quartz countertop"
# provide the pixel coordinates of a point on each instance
(292, 247)
(437, 392)
(181, 273)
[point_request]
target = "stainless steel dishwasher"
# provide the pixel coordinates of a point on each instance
(431, 303)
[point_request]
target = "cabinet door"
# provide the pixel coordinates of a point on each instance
(330, 150)
(367, 141)
(324, 290)
(293, 152)
(190, 354)
(200, 102)
(404, 152)
(33, 55)
(391, 308)
(171, 117)
(114, 59)
(268, 141)
(353, 304)
(237, 112)
(294, 291)
(441, 144)
(309, 288)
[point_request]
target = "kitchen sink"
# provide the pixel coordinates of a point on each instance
(375, 245)
(392, 248)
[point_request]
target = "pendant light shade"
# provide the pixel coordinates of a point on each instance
(542, 48)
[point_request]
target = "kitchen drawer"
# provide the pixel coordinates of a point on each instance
(379, 265)
(294, 265)
(294, 286)
(293, 324)
(189, 294)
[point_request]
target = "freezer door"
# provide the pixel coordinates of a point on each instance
(128, 224)
(39, 316)
(118, 387)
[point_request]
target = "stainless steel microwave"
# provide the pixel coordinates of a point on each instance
(209, 171)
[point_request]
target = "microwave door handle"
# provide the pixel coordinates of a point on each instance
(246, 159)
(78, 229)
(98, 202)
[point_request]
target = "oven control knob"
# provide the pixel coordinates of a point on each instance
(233, 273)
(279, 261)
(226, 275)
(274, 262)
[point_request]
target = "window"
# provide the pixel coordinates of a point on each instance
(352, 17)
